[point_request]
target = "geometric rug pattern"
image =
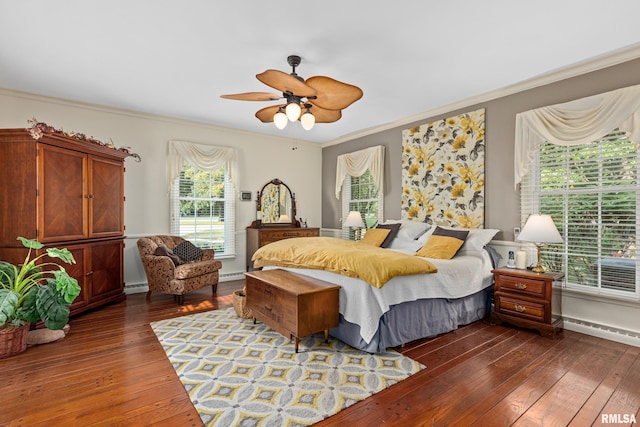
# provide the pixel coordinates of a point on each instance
(238, 373)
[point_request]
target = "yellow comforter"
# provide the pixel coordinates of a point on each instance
(374, 265)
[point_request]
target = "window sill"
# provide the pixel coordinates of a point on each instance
(595, 295)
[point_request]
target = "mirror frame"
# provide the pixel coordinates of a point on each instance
(294, 221)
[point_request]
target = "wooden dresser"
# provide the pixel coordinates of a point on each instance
(66, 193)
(258, 237)
(524, 298)
(292, 304)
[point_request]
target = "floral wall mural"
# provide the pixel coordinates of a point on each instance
(443, 171)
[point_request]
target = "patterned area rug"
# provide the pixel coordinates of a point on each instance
(238, 373)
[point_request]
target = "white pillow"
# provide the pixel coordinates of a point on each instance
(403, 244)
(477, 237)
(410, 230)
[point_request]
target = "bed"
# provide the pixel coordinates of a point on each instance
(411, 306)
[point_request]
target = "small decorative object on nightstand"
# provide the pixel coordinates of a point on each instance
(525, 298)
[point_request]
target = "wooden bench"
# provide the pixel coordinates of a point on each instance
(292, 304)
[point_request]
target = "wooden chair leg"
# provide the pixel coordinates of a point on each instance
(148, 296)
(180, 299)
(214, 288)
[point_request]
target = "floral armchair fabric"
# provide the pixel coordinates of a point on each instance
(166, 277)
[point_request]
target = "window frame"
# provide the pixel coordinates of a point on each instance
(228, 199)
(532, 193)
(370, 219)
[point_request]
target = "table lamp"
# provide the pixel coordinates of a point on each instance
(354, 220)
(540, 230)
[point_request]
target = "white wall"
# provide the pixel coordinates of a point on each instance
(261, 158)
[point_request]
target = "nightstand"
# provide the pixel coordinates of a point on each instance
(524, 298)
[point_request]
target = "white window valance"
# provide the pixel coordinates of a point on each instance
(574, 123)
(203, 157)
(357, 163)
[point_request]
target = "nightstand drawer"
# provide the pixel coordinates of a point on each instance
(522, 308)
(521, 285)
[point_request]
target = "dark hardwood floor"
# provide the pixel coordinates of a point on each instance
(111, 370)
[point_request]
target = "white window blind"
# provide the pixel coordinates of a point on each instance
(591, 191)
(203, 209)
(360, 193)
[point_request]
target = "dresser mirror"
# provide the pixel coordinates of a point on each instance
(276, 205)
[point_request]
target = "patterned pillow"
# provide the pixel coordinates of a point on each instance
(187, 251)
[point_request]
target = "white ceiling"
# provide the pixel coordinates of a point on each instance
(175, 58)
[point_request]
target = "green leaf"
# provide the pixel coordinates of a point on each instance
(54, 314)
(66, 286)
(31, 244)
(7, 274)
(8, 305)
(63, 254)
(28, 310)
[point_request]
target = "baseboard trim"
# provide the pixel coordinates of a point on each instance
(228, 277)
(602, 331)
(137, 288)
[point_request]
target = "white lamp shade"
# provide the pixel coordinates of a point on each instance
(354, 219)
(540, 229)
(293, 111)
(307, 120)
(280, 120)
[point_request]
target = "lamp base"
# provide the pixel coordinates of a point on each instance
(538, 268)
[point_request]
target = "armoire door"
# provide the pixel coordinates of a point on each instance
(106, 272)
(62, 205)
(106, 197)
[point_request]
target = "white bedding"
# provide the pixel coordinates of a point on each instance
(363, 304)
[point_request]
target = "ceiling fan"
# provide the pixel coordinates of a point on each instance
(322, 98)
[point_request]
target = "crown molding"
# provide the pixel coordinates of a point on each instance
(609, 59)
(147, 116)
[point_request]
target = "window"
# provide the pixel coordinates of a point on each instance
(591, 191)
(202, 209)
(360, 193)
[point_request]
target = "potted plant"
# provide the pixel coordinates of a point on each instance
(34, 290)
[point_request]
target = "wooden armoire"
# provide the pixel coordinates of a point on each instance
(66, 193)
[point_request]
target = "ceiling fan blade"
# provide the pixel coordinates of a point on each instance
(265, 115)
(324, 116)
(285, 83)
(333, 94)
(253, 96)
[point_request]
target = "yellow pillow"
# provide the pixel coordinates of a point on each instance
(375, 236)
(440, 247)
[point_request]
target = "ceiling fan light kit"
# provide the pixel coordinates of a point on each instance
(280, 119)
(307, 120)
(323, 98)
(293, 111)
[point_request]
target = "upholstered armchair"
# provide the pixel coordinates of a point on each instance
(166, 273)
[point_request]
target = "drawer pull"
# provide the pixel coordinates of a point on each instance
(520, 308)
(520, 286)
(290, 234)
(268, 308)
(267, 291)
